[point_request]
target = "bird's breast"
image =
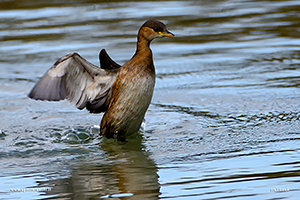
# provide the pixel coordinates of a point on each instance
(134, 89)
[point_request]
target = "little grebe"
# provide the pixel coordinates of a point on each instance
(122, 92)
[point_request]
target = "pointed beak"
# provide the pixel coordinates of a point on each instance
(166, 33)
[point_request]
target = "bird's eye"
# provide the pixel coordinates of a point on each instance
(155, 29)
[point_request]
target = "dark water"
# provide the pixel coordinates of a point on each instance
(223, 123)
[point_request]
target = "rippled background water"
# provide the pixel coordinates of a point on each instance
(223, 123)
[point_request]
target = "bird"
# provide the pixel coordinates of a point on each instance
(122, 92)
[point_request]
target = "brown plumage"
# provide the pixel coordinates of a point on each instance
(122, 92)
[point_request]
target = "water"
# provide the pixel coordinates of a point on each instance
(223, 123)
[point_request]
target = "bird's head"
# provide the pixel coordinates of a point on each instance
(152, 29)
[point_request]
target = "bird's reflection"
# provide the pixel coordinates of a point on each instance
(128, 173)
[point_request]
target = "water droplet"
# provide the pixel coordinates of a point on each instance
(71, 137)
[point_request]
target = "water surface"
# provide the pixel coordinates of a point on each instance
(224, 119)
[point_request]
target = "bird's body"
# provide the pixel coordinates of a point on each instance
(123, 92)
(133, 87)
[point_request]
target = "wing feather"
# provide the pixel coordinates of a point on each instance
(106, 62)
(77, 80)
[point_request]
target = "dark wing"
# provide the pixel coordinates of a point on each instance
(77, 80)
(106, 62)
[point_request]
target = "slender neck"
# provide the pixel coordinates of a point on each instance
(143, 46)
(143, 55)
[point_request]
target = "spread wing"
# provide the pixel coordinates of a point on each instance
(77, 80)
(106, 62)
